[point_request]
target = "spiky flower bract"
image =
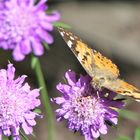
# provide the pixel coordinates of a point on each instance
(86, 109)
(24, 26)
(17, 103)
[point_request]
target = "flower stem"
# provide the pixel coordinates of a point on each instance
(44, 96)
(99, 138)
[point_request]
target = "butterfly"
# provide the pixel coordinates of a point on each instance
(104, 73)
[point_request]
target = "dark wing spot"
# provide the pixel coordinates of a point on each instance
(121, 99)
(126, 92)
(119, 91)
(84, 58)
(76, 52)
(87, 53)
(83, 62)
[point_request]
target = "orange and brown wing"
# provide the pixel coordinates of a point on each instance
(83, 53)
(104, 64)
(127, 89)
(124, 88)
(89, 59)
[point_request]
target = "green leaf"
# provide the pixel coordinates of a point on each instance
(60, 24)
(137, 134)
(33, 62)
(46, 45)
(123, 138)
(129, 115)
(37, 111)
(24, 137)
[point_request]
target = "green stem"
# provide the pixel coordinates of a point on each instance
(99, 138)
(44, 96)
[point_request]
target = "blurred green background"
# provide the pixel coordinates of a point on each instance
(111, 27)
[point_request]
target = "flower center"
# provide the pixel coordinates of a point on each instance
(87, 108)
(11, 108)
(18, 22)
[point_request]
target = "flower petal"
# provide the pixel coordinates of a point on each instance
(71, 77)
(17, 54)
(37, 47)
(10, 72)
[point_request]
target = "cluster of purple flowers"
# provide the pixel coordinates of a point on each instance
(24, 26)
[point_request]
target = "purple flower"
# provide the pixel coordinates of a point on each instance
(87, 110)
(24, 26)
(17, 103)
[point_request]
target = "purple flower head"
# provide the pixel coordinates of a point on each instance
(24, 26)
(86, 109)
(17, 103)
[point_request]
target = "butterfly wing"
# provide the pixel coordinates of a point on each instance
(92, 61)
(83, 53)
(124, 88)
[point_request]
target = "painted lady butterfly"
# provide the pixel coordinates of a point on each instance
(104, 73)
